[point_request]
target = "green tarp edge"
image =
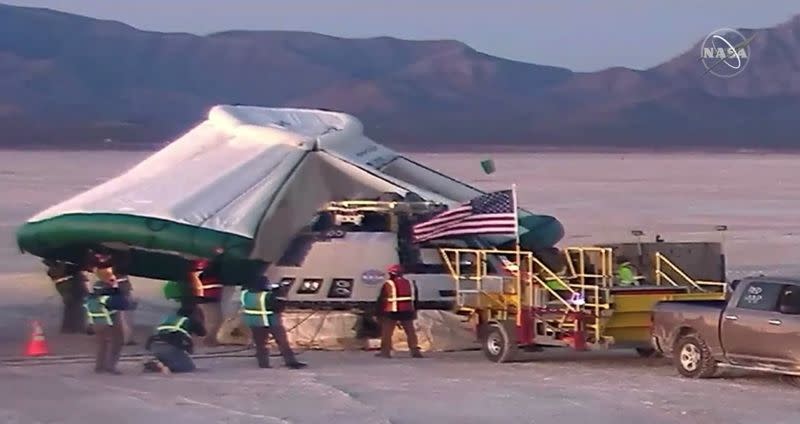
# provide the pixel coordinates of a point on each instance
(544, 231)
(67, 236)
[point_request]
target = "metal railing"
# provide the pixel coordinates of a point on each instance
(454, 260)
(527, 272)
(664, 267)
(578, 270)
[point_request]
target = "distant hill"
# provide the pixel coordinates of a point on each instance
(67, 80)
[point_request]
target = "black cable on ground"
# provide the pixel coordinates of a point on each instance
(79, 359)
(245, 352)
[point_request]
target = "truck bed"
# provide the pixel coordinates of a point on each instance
(673, 318)
(692, 304)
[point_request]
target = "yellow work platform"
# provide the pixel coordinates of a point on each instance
(521, 302)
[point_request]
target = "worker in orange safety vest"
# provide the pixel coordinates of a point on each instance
(396, 305)
(206, 291)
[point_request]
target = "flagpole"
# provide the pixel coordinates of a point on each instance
(520, 268)
(516, 214)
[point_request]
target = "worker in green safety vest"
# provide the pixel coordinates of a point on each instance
(171, 343)
(261, 304)
(626, 273)
(103, 308)
(560, 283)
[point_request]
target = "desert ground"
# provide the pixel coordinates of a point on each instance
(598, 197)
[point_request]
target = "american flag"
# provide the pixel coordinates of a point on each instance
(491, 213)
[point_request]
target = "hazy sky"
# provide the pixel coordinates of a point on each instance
(581, 35)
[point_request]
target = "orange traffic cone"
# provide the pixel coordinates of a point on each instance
(37, 346)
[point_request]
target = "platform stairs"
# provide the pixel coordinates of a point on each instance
(505, 284)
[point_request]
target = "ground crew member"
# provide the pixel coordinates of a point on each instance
(173, 290)
(71, 284)
(396, 305)
(102, 307)
(626, 273)
(206, 289)
(261, 312)
(171, 343)
(121, 262)
(559, 283)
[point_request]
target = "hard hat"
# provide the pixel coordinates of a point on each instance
(100, 260)
(395, 269)
(199, 264)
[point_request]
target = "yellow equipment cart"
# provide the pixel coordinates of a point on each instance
(520, 303)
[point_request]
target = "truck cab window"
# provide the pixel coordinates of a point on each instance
(790, 300)
(760, 296)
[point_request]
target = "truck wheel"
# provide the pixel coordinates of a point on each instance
(693, 358)
(498, 346)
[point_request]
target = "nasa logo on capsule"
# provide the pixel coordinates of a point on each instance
(725, 52)
(372, 277)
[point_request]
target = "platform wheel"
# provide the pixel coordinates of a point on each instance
(498, 344)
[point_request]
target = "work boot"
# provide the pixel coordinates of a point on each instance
(154, 365)
(416, 353)
(151, 366)
(296, 365)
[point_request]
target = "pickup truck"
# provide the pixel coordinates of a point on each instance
(757, 328)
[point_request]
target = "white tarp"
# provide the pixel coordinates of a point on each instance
(246, 170)
(231, 171)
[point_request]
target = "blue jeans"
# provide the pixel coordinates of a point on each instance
(174, 358)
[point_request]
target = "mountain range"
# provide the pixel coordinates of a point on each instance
(68, 80)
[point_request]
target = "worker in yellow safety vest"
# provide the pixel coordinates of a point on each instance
(262, 304)
(171, 342)
(103, 308)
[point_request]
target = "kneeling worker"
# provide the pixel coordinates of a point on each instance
(171, 344)
(261, 312)
(396, 304)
